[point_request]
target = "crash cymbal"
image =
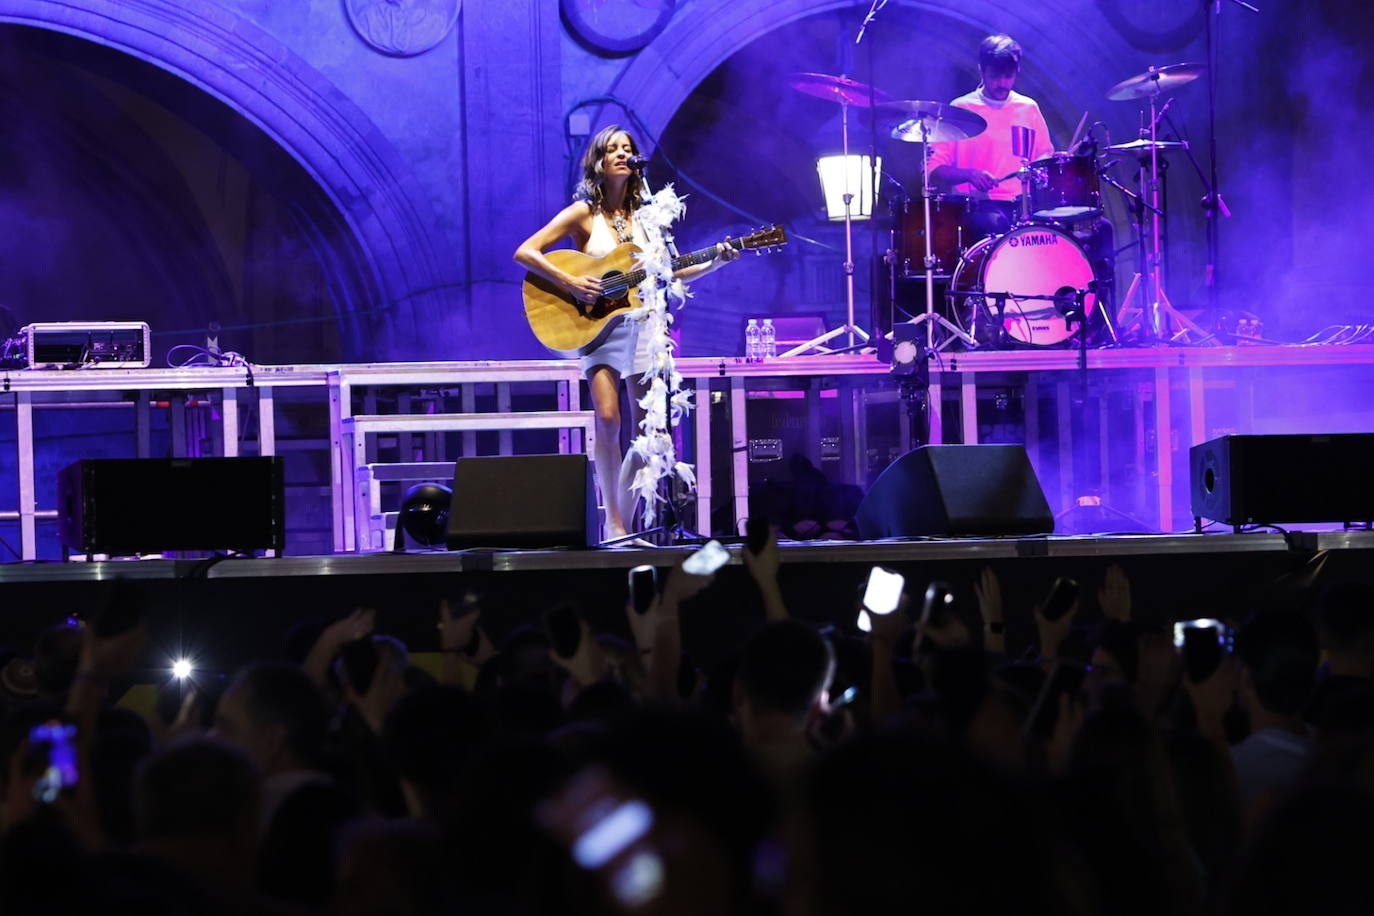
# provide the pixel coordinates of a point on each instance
(836, 89)
(1155, 81)
(919, 120)
(1143, 147)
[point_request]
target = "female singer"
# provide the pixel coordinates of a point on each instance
(601, 217)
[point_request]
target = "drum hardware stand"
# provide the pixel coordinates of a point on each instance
(1070, 302)
(930, 317)
(1158, 318)
(1212, 204)
(1067, 302)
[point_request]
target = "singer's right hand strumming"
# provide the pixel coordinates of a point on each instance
(583, 289)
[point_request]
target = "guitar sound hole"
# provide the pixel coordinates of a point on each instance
(612, 285)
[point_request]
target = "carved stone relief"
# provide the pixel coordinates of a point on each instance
(402, 28)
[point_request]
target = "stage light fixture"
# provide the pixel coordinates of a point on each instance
(424, 513)
(910, 359)
(848, 175)
(182, 669)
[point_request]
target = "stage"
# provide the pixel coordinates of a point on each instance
(356, 434)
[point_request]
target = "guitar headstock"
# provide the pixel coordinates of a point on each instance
(767, 237)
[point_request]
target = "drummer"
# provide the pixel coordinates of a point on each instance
(974, 166)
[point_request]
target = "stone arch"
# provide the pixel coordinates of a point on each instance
(703, 38)
(358, 170)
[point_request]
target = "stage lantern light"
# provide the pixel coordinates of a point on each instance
(848, 175)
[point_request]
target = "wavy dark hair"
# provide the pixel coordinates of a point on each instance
(592, 187)
(999, 54)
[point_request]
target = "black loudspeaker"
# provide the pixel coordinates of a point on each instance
(943, 490)
(125, 506)
(1243, 480)
(523, 501)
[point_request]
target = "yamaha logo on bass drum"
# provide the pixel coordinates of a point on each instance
(1031, 239)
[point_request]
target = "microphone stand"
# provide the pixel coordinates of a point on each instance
(880, 327)
(1213, 201)
(672, 530)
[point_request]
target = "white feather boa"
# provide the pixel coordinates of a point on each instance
(665, 403)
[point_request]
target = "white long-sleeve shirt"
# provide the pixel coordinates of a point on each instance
(991, 150)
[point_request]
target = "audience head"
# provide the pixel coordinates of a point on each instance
(784, 674)
(429, 735)
(1278, 657)
(275, 714)
(198, 789)
(1345, 624)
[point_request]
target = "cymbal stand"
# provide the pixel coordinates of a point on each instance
(1157, 319)
(930, 318)
(849, 328)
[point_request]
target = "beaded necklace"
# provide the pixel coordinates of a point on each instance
(623, 233)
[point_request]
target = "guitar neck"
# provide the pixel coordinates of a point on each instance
(636, 277)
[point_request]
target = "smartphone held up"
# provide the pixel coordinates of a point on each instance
(643, 588)
(882, 595)
(711, 557)
(1203, 643)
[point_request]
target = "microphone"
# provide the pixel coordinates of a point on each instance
(637, 163)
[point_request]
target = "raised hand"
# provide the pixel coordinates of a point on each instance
(988, 591)
(456, 635)
(1114, 597)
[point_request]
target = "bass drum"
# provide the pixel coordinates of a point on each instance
(1029, 261)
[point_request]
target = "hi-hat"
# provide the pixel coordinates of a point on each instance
(1155, 81)
(837, 89)
(1144, 147)
(934, 121)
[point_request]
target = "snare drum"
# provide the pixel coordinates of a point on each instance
(1003, 279)
(1064, 188)
(950, 234)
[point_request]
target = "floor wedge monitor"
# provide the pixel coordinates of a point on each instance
(523, 502)
(956, 490)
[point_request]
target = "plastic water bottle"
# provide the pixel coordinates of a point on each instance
(753, 342)
(768, 340)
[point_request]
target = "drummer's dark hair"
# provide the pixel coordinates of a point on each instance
(592, 187)
(999, 53)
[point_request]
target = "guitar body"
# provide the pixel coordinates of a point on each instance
(561, 322)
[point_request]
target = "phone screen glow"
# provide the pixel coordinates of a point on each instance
(884, 591)
(711, 557)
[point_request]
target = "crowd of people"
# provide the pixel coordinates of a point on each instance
(936, 761)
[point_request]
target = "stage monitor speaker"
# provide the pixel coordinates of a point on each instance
(953, 490)
(523, 501)
(126, 506)
(1254, 480)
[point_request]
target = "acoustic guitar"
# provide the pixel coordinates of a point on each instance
(563, 323)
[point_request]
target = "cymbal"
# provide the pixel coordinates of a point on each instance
(1155, 81)
(936, 121)
(836, 89)
(1143, 147)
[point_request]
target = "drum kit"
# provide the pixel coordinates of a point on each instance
(1034, 284)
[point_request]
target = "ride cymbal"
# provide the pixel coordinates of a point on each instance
(839, 89)
(1155, 81)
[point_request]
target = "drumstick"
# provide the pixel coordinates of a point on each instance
(1077, 133)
